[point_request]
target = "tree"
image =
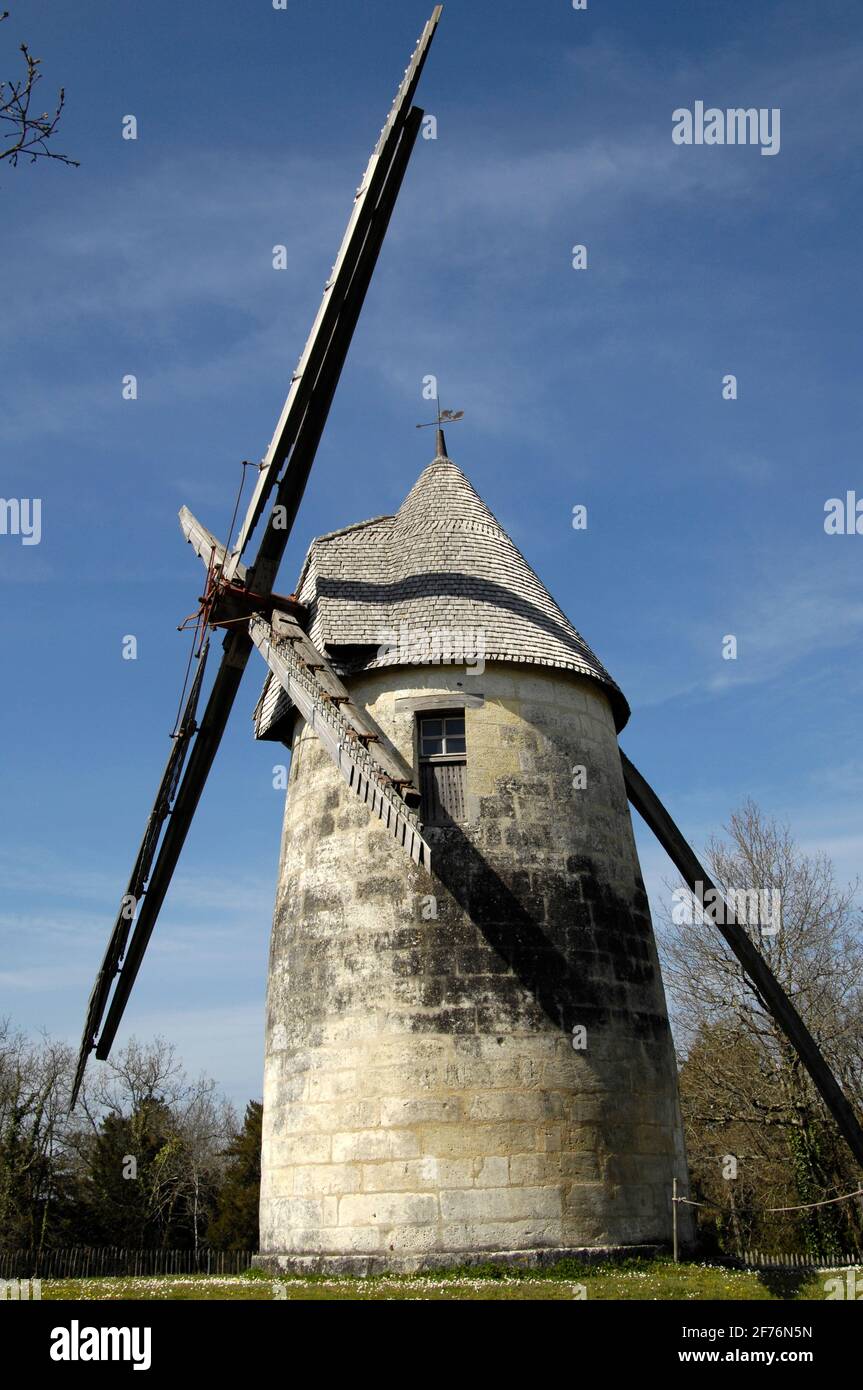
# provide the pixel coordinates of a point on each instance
(235, 1225)
(140, 1163)
(27, 131)
(744, 1091)
(120, 1196)
(34, 1181)
(150, 1158)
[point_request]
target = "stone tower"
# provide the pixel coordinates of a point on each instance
(476, 1061)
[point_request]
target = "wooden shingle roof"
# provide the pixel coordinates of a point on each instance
(442, 565)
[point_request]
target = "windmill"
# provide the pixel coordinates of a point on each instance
(467, 1041)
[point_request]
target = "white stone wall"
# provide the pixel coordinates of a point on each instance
(422, 1095)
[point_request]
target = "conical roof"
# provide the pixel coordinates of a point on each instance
(442, 565)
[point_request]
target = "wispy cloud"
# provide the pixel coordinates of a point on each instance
(159, 257)
(202, 891)
(783, 621)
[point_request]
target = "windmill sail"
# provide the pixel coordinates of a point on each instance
(342, 729)
(765, 983)
(298, 432)
(137, 885)
(205, 544)
(367, 197)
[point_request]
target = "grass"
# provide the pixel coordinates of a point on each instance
(650, 1280)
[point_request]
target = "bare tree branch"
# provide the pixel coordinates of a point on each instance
(742, 1085)
(27, 131)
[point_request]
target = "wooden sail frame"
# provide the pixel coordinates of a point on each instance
(298, 433)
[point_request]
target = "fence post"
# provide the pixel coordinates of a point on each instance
(674, 1216)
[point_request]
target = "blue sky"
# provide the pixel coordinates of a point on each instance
(600, 387)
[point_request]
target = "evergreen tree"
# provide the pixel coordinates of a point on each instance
(235, 1225)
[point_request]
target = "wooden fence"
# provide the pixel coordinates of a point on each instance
(80, 1262)
(758, 1259)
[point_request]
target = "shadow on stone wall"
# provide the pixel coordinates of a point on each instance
(582, 953)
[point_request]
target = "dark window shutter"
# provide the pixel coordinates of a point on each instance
(443, 790)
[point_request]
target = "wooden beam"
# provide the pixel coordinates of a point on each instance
(288, 629)
(237, 649)
(205, 544)
(136, 887)
(761, 977)
(367, 773)
(427, 704)
(292, 483)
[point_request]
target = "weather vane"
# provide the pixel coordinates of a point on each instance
(444, 417)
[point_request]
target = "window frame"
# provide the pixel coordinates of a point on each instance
(441, 717)
(444, 759)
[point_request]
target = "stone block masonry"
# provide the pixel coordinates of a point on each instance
(423, 1100)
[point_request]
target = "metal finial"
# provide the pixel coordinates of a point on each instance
(444, 417)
